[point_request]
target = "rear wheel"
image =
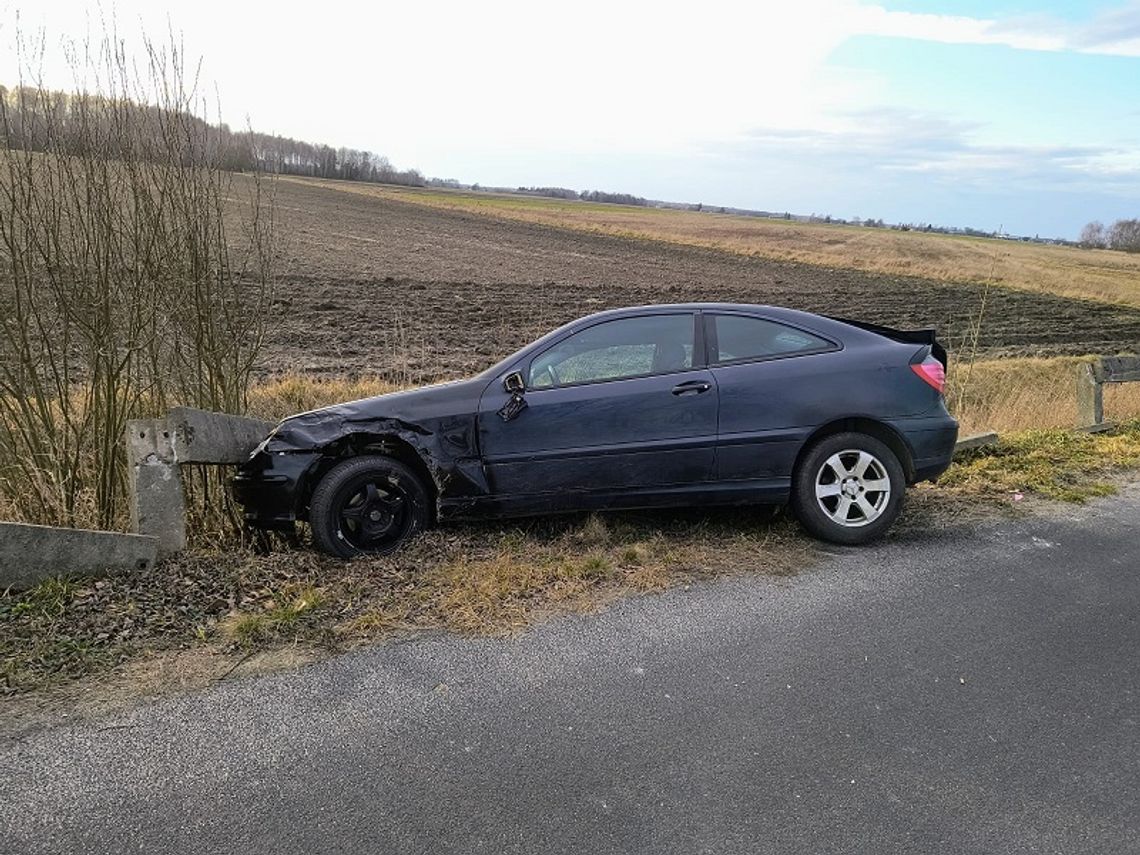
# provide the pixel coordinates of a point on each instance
(848, 488)
(367, 506)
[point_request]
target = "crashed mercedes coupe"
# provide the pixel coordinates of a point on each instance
(656, 406)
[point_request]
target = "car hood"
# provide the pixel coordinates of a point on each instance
(415, 410)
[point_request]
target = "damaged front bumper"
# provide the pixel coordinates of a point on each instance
(270, 486)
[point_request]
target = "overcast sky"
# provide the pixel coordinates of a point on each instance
(1009, 113)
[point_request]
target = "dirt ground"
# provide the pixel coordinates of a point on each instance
(377, 287)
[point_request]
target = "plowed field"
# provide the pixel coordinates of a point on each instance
(376, 286)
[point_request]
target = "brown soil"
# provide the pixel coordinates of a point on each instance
(375, 286)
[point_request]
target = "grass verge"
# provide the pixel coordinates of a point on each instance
(481, 579)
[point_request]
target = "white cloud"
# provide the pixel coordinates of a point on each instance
(882, 144)
(1115, 32)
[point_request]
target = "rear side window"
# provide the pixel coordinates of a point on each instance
(742, 337)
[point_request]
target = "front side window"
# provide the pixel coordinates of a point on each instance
(613, 350)
(743, 337)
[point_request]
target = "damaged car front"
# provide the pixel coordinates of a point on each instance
(272, 483)
(367, 473)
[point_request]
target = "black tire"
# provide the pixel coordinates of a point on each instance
(367, 506)
(826, 478)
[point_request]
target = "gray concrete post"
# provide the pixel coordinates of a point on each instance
(158, 505)
(1090, 397)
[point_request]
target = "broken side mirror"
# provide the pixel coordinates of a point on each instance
(513, 383)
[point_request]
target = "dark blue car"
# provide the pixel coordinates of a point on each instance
(644, 407)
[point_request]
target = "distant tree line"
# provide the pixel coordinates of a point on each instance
(1123, 235)
(35, 120)
(288, 156)
(551, 192)
(612, 198)
(585, 195)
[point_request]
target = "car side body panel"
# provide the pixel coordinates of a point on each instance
(622, 434)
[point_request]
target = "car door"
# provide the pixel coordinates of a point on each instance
(622, 405)
(770, 378)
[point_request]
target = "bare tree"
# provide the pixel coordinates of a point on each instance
(129, 279)
(1093, 236)
(1124, 235)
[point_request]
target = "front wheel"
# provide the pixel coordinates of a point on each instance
(367, 506)
(848, 488)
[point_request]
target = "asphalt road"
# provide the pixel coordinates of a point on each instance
(977, 692)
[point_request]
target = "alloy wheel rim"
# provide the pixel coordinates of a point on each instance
(373, 515)
(852, 488)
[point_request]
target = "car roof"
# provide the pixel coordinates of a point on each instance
(774, 312)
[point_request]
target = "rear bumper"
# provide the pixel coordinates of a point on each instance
(931, 441)
(272, 488)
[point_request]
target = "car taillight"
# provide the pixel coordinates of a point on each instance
(932, 371)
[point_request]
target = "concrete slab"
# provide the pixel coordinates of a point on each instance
(977, 440)
(1103, 427)
(32, 553)
(203, 437)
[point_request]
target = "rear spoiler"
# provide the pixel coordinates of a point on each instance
(923, 336)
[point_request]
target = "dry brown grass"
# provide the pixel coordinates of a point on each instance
(290, 394)
(1066, 271)
(1010, 395)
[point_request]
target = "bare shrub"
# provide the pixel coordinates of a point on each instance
(134, 273)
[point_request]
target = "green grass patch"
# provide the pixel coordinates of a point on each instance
(285, 615)
(1058, 464)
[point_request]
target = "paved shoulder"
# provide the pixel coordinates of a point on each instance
(977, 693)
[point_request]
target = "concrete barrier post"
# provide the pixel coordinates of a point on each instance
(1090, 397)
(158, 505)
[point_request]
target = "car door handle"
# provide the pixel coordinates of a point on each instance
(692, 387)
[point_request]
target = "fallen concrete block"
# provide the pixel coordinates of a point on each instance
(32, 553)
(977, 440)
